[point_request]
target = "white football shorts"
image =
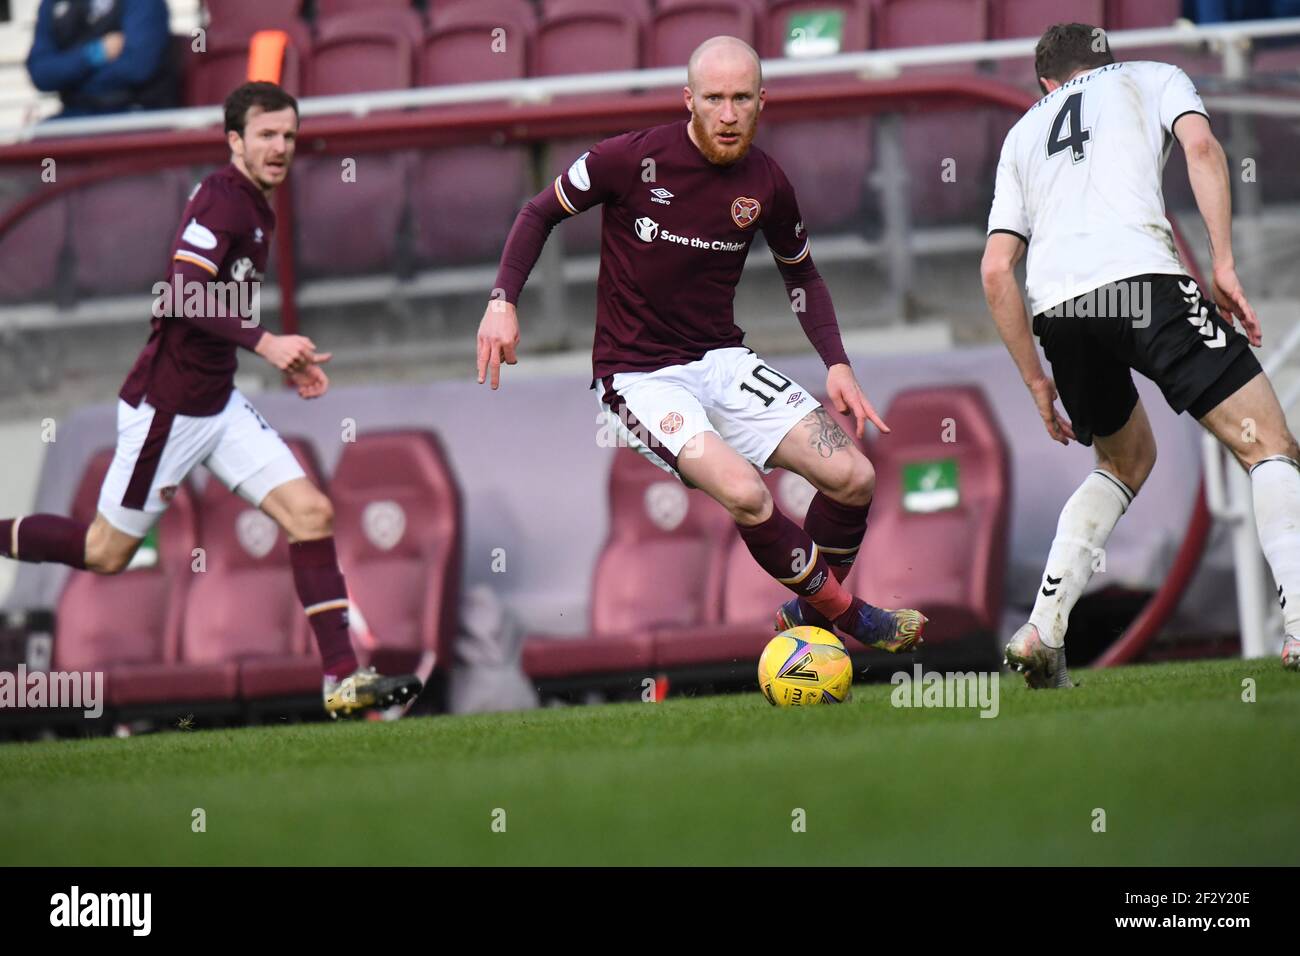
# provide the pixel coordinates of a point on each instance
(731, 392)
(157, 450)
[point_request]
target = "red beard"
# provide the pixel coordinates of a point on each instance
(722, 155)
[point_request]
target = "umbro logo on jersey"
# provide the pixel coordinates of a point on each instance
(661, 195)
(257, 234)
(646, 229)
(798, 229)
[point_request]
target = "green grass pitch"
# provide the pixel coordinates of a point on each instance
(1185, 771)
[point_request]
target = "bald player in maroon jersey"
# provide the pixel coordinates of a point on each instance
(179, 406)
(681, 205)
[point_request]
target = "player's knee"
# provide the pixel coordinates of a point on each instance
(103, 559)
(1251, 453)
(855, 482)
(748, 499)
(312, 517)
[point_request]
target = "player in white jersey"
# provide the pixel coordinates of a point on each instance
(1078, 184)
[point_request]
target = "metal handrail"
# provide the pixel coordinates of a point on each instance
(867, 64)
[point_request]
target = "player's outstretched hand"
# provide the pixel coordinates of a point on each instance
(1231, 300)
(1044, 392)
(846, 394)
(311, 382)
(289, 353)
(498, 337)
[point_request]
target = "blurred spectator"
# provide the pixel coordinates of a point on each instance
(104, 56)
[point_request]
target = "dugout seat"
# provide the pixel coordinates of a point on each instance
(661, 566)
(750, 596)
(128, 625)
(940, 522)
(256, 12)
(583, 40)
(398, 523)
(223, 65)
(464, 198)
(243, 610)
(842, 152)
(679, 26)
(930, 138)
(348, 225)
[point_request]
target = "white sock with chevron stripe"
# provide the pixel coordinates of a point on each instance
(1086, 522)
(1275, 490)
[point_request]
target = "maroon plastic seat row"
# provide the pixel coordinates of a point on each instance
(235, 628)
(937, 540)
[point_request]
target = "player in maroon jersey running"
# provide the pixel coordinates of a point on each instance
(682, 203)
(179, 406)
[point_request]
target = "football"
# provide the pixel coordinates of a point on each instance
(805, 666)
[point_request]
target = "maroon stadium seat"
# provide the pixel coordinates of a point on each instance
(680, 26)
(364, 50)
(570, 43)
(351, 227)
(330, 8)
(398, 522)
(945, 556)
(212, 74)
(1017, 19)
(853, 17)
(930, 138)
(104, 263)
(464, 199)
(30, 252)
(243, 611)
(128, 625)
(908, 23)
(261, 14)
(1142, 14)
(750, 596)
(640, 9)
(661, 566)
(830, 179)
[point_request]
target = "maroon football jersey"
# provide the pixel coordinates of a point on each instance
(188, 365)
(674, 237)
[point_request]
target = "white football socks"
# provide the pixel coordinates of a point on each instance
(1086, 522)
(1275, 489)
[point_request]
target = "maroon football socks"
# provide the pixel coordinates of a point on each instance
(324, 596)
(785, 551)
(44, 538)
(838, 531)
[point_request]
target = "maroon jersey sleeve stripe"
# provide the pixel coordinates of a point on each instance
(146, 464)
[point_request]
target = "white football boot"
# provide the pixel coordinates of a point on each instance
(1043, 666)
